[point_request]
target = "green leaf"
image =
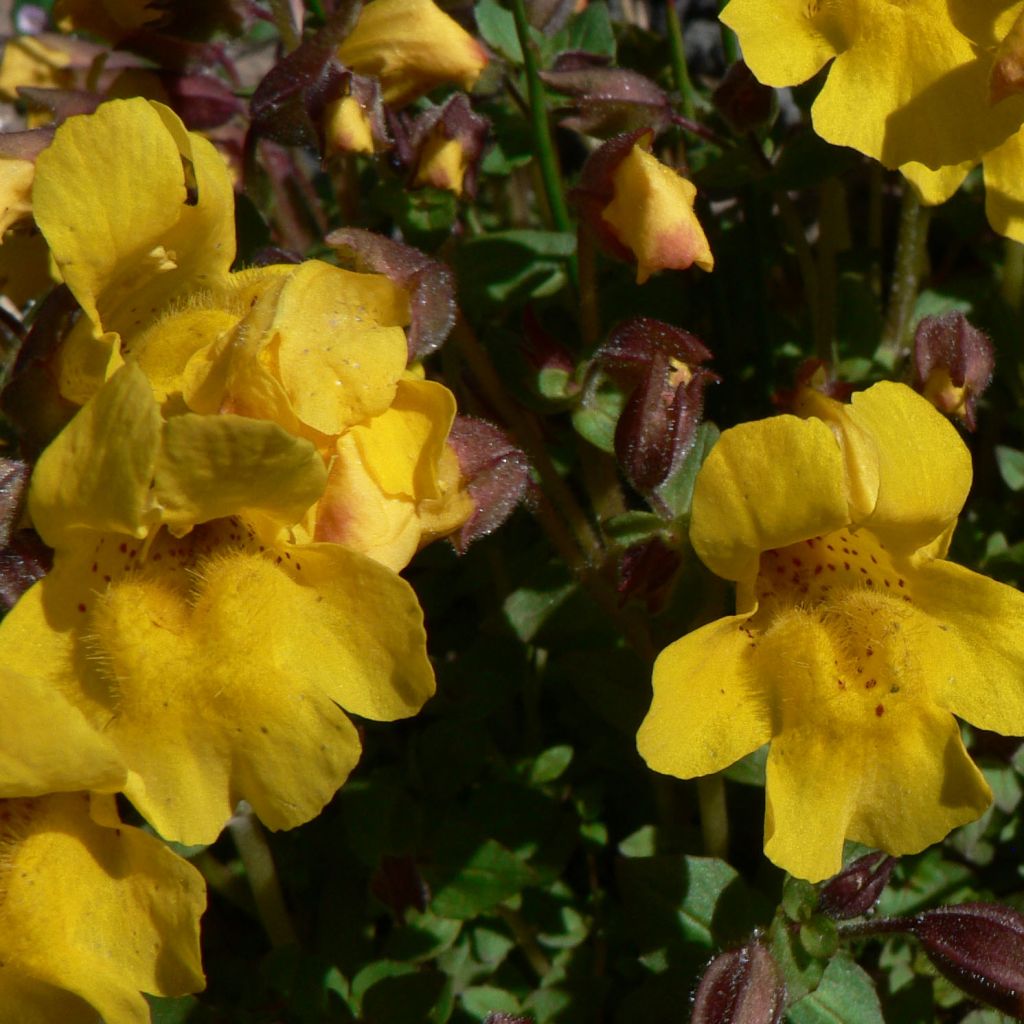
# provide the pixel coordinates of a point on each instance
(677, 490)
(591, 30)
(171, 1011)
(498, 29)
(1011, 466)
(799, 898)
(480, 1000)
(551, 764)
(598, 412)
(424, 997)
(529, 607)
(468, 882)
(845, 995)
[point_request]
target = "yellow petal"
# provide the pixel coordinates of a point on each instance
(707, 710)
(339, 346)
(934, 187)
(904, 75)
(210, 467)
(96, 912)
(356, 513)
(442, 164)
(652, 215)
(347, 129)
(16, 178)
(971, 646)
(784, 42)
(1004, 191)
(411, 46)
(402, 447)
(924, 469)
(89, 479)
(28, 61)
(766, 484)
(899, 790)
(125, 251)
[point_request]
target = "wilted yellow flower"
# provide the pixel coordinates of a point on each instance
(855, 642)
(29, 61)
(411, 46)
(928, 87)
(651, 214)
(91, 915)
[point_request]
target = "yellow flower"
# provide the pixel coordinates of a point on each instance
(411, 46)
(651, 214)
(28, 61)
(179, 617)
(925, 86)
(91, 915)
(855, 641)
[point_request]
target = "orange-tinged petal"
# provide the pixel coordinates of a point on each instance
(411, 46)
(652, 215)
(442, 164)
(124, 251)
(784, 42)
(91, 916)
(707, 710)
(210, 467)
(743, 501)
(924, 469)
(347, 128)
(969, 643)
(89, 478)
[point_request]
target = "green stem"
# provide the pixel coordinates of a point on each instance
(1012, 284)
(910, 260)
(831, 238)
(714, 817)
(282, 12)
(677, 56)
(526, 940)
(259, 869)
(542, 143)
(790, 221)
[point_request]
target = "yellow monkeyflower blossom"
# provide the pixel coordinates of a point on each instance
(929, 87)
(411, 46)
(854, 643)
(651, 214)
(91, 915)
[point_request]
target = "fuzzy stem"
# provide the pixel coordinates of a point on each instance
(714, 816)
(677, 55)
(873, 929)
(259, 869)
(910, 259)
(542, 143)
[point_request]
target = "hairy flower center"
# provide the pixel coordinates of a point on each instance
(834, 628)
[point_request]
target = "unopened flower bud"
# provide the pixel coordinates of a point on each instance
(857, 888)
(448, 143)
(661, 364)
(813, 377)
(411, 46)
(979, 947)
(646, 571)
(741, 986)
(496, 474)
(639, 208)
(953, 364)
(398, 884)
(606, 101)
(743, 101)
(506, 1018)
(430, 284)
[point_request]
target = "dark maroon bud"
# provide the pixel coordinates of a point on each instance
(496, 474)
(596, 189)
(857, 888)
(398, 884)
(660, 364)
(743, 101)
(453, 121)
(273, 255)
(202, 101)
(23, 561)
(506, 1018)
(430, 283)
(646, 571)
(14, 476)
(953, 363)
(606, 101)
(289, 102)
(741, 986)
(979, 947)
